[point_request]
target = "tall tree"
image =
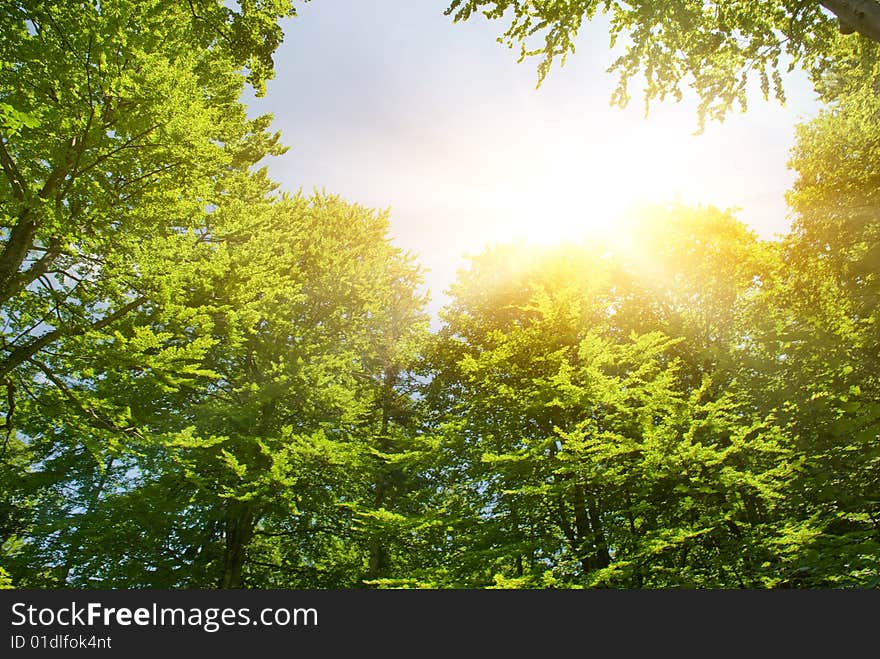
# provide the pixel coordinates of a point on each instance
(120, 127)
(278, 458)
(119, 120)
(595, 453)
(815, 343)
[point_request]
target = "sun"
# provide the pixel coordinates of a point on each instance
(587, 190)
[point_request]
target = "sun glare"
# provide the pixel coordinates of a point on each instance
(584, 190)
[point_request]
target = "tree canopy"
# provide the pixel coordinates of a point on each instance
(209, 382)
(716, 48)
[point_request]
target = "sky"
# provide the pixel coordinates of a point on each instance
(391, 105)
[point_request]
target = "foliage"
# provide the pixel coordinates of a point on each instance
(816, 336)
(715, 48)
(208, 383)
(121, 125)
(590, 457)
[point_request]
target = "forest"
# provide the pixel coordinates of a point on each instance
(207, 381)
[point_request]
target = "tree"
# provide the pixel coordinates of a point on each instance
(714, 47)
(289, 445)
(119, 122)
(812, 358)
(587, 449)
(685, 271)
(275, 453)
(120, 128)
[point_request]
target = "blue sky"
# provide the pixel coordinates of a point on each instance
(391, 105)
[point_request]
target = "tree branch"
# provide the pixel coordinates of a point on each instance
(862, 16)
(21, 354)
(127, 144)
(11, 171)
(95, 418)
(20, 242)
(37, 269)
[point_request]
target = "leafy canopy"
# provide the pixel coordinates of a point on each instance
(716, 47)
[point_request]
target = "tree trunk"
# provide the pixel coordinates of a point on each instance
(862, 16)
(582, 526)
(240, 520)
(379, 563)
(638, 580)
(600, 544)
(94, 500)
(16, 250)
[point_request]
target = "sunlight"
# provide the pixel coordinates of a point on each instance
(587, 188)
